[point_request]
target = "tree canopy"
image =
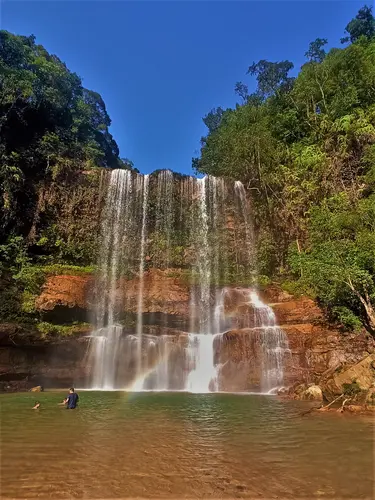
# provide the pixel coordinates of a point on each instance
(50, 125)
(305, 149)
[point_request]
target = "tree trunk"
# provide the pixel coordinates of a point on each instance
(369, 310)
(299, 253)
(365, 301)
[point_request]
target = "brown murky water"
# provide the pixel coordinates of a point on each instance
(163, 445)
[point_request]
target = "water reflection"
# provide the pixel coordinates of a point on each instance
(167, 445)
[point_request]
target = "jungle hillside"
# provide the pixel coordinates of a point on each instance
(304, 147)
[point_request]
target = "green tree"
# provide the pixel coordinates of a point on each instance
(362, 25)
(316, 53)
(50, 126)
(213, 119)
(271, 76)
(339, 261)
(242, 90)
(305, 150)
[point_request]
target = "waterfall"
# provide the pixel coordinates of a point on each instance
(164, 215)
(121, 219)
(107, 335)
(168, 221)
(156, 378)
(143, 187)
(206, 230)
(273, 342)
(203, 376)
(201, 303)
(245, 210)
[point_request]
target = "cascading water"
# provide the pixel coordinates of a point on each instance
(146, 222)
(164, 215)
(273, 342)
(144, 189)
(121, 218)
(244, 207)
(107, 335)
(156, 348)
(202, 375)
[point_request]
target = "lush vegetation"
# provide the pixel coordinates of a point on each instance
(50, 127)
(305, 148)
(51, 130)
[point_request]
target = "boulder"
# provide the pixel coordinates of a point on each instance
(362, 373)
(65, 291)
(38, 388)
(307, 392)
(313, 393)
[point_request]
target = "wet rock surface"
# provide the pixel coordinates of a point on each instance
(317, 353)
(50, 365)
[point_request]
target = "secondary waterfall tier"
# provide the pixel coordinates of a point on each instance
(167, 221)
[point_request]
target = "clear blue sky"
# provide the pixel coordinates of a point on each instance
(161, 66)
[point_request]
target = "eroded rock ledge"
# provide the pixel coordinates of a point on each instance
(318, 352)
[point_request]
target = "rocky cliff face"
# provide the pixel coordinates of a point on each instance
(315, 349)
(27, 361)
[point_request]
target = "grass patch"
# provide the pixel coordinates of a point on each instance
(297, 288)
(47, 330)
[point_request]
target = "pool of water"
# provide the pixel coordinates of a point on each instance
(178, 445)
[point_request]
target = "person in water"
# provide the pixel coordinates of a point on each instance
(71, 400)
(36, 406)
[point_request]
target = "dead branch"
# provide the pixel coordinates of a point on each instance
(332, 402)
(341, 409)
(321, 407)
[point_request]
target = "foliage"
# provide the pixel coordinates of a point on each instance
(304, 148)
(66, 226)
(13, 255)
(46, 329)
(339, 261)
(55, 145)
(50, 126)
(347, 318)
(213, 119)
(352, 389)
(21, 281)
(272, 77)
(68, 269)
(362, 25)
(296, 288)
(316, 53)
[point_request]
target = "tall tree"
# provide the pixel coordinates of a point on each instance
(305, 149)
(316, 53)
(242, 91)
(50, 126)
(213, 119)
(271, 76)
(362, 25)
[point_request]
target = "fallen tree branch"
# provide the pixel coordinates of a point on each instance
(321, 407)
(331, 403)
(341, 409)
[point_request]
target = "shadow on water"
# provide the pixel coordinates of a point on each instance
(164, 445)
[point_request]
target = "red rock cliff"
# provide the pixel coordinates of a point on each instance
(315, 347)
